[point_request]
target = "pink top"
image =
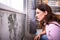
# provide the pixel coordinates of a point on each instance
(53, 31)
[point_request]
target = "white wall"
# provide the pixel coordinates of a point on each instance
(6, 2)
(17, 4)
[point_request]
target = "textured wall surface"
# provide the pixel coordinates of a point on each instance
(11, 25)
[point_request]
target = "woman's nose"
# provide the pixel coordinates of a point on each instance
(36, 16)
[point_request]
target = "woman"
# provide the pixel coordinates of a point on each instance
(51, 22)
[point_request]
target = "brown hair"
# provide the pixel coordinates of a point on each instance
(50, 16)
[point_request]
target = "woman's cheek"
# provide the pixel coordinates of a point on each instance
(41, 17)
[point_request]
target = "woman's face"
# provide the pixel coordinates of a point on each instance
(40, 14)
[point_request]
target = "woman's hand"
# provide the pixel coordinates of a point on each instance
(37, 37)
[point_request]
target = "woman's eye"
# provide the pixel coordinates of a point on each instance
(37, 12)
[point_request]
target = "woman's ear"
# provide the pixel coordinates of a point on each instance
(45, 12)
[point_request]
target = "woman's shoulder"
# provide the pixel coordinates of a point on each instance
(54, 23)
